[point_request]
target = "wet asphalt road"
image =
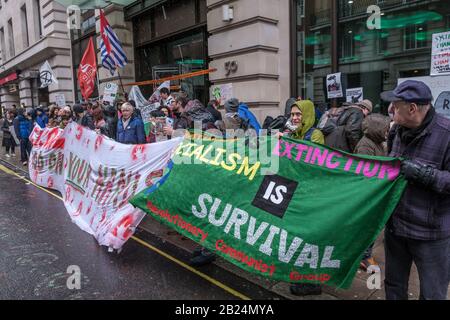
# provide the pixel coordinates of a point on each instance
(38, 243)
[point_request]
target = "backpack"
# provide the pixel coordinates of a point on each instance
(329, 120)
(275, 124)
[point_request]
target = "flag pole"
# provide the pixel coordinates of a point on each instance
(121, 84)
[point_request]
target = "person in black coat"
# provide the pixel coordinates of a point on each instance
(8, 140)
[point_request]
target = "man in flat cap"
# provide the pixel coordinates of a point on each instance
(419, 229)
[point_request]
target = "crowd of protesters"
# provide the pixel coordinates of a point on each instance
(419, 229)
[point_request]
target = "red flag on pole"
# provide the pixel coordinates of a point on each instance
(87, 71)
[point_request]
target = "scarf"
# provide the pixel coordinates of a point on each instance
(408, 135)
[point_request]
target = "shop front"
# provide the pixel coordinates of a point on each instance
(340, 36)
(170, 38)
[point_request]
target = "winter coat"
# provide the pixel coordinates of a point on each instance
(111, 122)
(246, 114)
(23, 127)
(42, 120)
(348, 132)
(307, 131)
(134, 133)
(8, 140)
(375, 127)
(88, 121)
(424, 213)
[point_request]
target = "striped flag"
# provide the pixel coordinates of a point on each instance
(111, 49)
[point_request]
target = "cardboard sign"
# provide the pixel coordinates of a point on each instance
(60, 100)
(110, 92)
(334, 86)
(440, 88)
(222, 93)
(355, 95)
(440, 56)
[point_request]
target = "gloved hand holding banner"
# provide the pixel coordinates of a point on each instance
(310, 221)
(96, 176)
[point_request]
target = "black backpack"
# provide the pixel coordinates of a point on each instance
(275, 124)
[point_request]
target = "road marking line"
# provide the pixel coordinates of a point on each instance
(8, 171)
(145, 244)
(201, 274)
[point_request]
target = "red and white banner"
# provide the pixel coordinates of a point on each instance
(96, 176)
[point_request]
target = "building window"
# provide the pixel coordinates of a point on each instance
(347, 44)
(23, 17)
(12, 51)
(2, 43)
(382, 42)
(415, 37)
(39, 22)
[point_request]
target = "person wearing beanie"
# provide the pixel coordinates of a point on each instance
(232, 120)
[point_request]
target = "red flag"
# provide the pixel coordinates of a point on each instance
(87, 71)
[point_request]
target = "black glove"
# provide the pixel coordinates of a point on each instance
(416, 172)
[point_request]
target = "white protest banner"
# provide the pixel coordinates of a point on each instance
(334, 86)
(156, 96)
(46, 75)
(97, 176)
(110, 92)
(440, 55)
(60, 100)
(355, 95)
(137, 96)
(440, 88)
(222, 93)
(147, 110)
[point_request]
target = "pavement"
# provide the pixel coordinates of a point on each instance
(358, 291)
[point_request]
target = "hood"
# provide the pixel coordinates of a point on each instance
(197, 112)
(289, 103)
(308, 114)
(375, 127)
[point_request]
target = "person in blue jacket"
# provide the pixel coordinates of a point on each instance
(130, 129)
(245, 113)
(23, 125)
(41, 118)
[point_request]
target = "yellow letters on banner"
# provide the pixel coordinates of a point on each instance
(235, 161)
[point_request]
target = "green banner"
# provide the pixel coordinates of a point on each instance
(285, 209)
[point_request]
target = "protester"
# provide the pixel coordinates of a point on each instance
(23, 126)
(165, 111)
(110, 116)
(78, 112)
(99, 121)
(8, 139)
(41, 119)
(232, 120)
(301, 123)
(349, 127)
(375, 128)
(166, 98)
(178, 107)
(130, 129)
(88, 120)
(419, 229)
(53, 119)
